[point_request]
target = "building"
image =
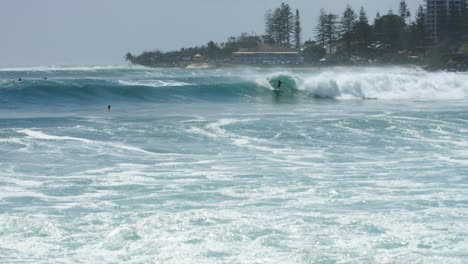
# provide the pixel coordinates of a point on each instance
(434, 12)
(269, 57)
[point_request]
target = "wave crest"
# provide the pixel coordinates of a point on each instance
(236, 85)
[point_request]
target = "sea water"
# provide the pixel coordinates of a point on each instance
(344, 165)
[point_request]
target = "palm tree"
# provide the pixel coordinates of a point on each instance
(129, 57)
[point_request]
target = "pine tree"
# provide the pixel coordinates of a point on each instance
(297, 30)
(419, 28)
(404, 11)
(279, 25)
(269, 28)
(348, 21)
(331, 31)
(212, 50)
(321, 29)
(378, 27)
(287, 20)
(393, 30)
(363, 30)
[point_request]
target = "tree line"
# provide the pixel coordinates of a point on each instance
(212, 52)
(283, 30)
(348, 37)
(282, 27)
(351, 34)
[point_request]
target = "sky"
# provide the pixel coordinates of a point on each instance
(100, 32)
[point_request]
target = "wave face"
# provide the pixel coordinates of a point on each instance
(88, 85)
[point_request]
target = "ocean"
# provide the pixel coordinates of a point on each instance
(343, 165)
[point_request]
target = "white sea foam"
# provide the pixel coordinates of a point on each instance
(33, 134)
(40, 135)
(154, 83)
(378, 83)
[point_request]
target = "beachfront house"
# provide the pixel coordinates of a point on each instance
(269, 57)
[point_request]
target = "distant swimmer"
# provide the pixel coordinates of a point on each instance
(108, 108)
(45, 78)
(278, 86)
(19, 79)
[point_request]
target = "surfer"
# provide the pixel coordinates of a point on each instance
(278, 86)
(19, 79)
(108, 108)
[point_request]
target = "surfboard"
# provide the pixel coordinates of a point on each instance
(277, 91)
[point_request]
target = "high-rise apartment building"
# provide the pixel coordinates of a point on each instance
(435, 10)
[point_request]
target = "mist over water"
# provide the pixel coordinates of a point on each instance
(343, 165)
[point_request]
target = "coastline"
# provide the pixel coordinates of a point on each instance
(426, 67)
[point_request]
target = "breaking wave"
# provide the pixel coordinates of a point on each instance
(376, 83)
(230, 85)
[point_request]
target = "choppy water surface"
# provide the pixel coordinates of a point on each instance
(212, 166)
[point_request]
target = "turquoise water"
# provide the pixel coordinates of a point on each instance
(212, 166)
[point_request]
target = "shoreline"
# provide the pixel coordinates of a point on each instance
(427, 68)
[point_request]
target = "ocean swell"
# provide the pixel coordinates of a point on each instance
(251, 85)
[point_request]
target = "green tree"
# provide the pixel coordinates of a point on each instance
(419, 28)
(297, 30)
(363, 31)
(313, 52)
(378, 27)
(321, 28)
(390, 29)
(287, 19)
(404, 11)
(331, 31)
(279, 25)
(270, 32)
(347, 25)
(213, 51)
(244, 41)
(129, 57)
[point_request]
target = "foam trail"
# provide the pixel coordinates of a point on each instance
(39, 135)
(31, 134)
(156, 83)
(392, 83)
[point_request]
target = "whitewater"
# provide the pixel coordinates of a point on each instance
(344, 165)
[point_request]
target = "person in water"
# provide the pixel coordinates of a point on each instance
(108, 108)
(278, 86)
(19, 79)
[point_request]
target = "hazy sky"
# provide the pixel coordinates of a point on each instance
(100, 32)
